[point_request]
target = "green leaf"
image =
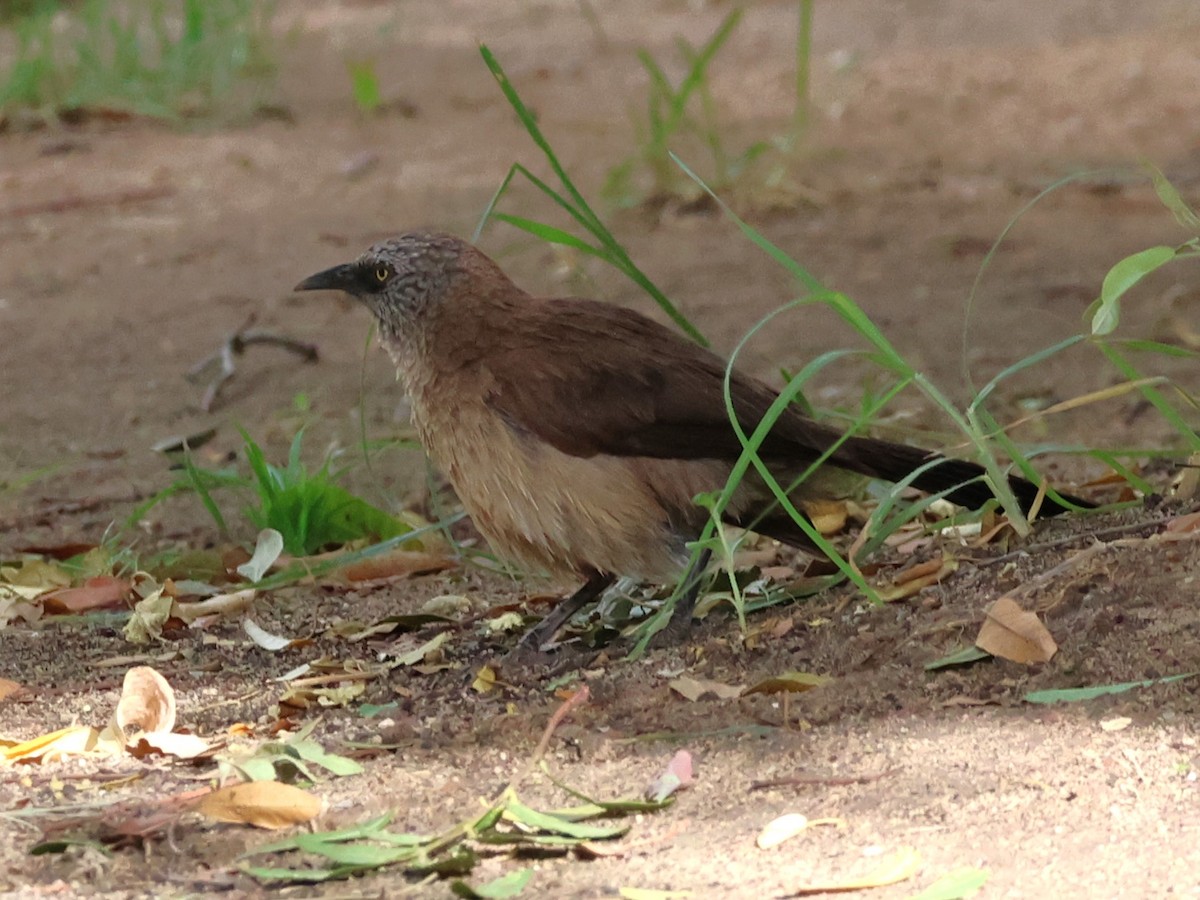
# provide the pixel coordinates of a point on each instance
(961, 657)
(956, 885)
(520, 814)
(1171, 199)
(353, 854)
(1074, 695)
(364, 83)
(314, 753)
(508, 885)
(1106, 312)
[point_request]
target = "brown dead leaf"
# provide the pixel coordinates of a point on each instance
(395, 564)
(8, 688)
(696, 688)
(181, 746)
(264, 804)
(1016, 634)
(827, 516)
(787, 683)
(1183, 524)
(916, 578)
(147, 705)
(101, 592)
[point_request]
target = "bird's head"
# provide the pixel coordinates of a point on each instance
(400, 279)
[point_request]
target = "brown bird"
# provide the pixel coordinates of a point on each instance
(577, 433)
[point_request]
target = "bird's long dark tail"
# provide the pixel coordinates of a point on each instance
(961, 480)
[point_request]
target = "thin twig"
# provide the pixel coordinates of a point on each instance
(233, 347)
(812, 780)
(577, 699)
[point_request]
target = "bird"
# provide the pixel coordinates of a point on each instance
(577, 433)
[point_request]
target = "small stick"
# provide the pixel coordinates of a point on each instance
(579, 698)
(807, 780)
(234, 346)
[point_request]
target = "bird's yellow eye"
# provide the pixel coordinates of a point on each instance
(382, 274)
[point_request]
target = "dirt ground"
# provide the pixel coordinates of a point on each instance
(128, 251)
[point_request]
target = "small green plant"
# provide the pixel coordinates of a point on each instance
(677, 113)
(309, 509)
(364, 83)
(159, 58)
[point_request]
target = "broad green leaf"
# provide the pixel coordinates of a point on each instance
(359, 855)
(1171, 199)
(519, 813)
(956, 885)
(1074, 695)
(959, 658)
(1106, 313)
(507, 885)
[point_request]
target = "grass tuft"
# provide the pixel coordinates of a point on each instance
(159, 58)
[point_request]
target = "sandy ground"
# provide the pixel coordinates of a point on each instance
(130, 250)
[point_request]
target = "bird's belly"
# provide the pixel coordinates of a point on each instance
(563, 514)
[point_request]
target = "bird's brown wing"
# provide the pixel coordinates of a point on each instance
(590, 378)
(615, 382)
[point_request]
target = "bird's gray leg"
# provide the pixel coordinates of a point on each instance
(681, 616)
(543, 632)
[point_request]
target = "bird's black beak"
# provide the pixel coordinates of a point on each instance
(339, 278)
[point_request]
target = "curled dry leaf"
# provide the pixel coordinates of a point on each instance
(265, 804)
(695, 688)
(147, 705)
(1015, 634)
(787, 683)
(781, 829)
(221, 605)
(915, 578)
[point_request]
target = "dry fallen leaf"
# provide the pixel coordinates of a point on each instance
(1015, 634)
(101, 592)
(899, 866)
(781, 829)
(72, 741)
(915, 578)
(695, 688)
(147, 705)
(8, 688)
(787, 683)
(395, 564)
(265, 804)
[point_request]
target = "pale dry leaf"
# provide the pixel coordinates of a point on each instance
(899, 866)
(8, 688)
(264, 804)
(696, 688)
(147, 705)
(781, 829)
(220, 605)
(1119, 723)
(266, 550)
(72, 741)
(1015, 634)
(265, 639)
(148, 618)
